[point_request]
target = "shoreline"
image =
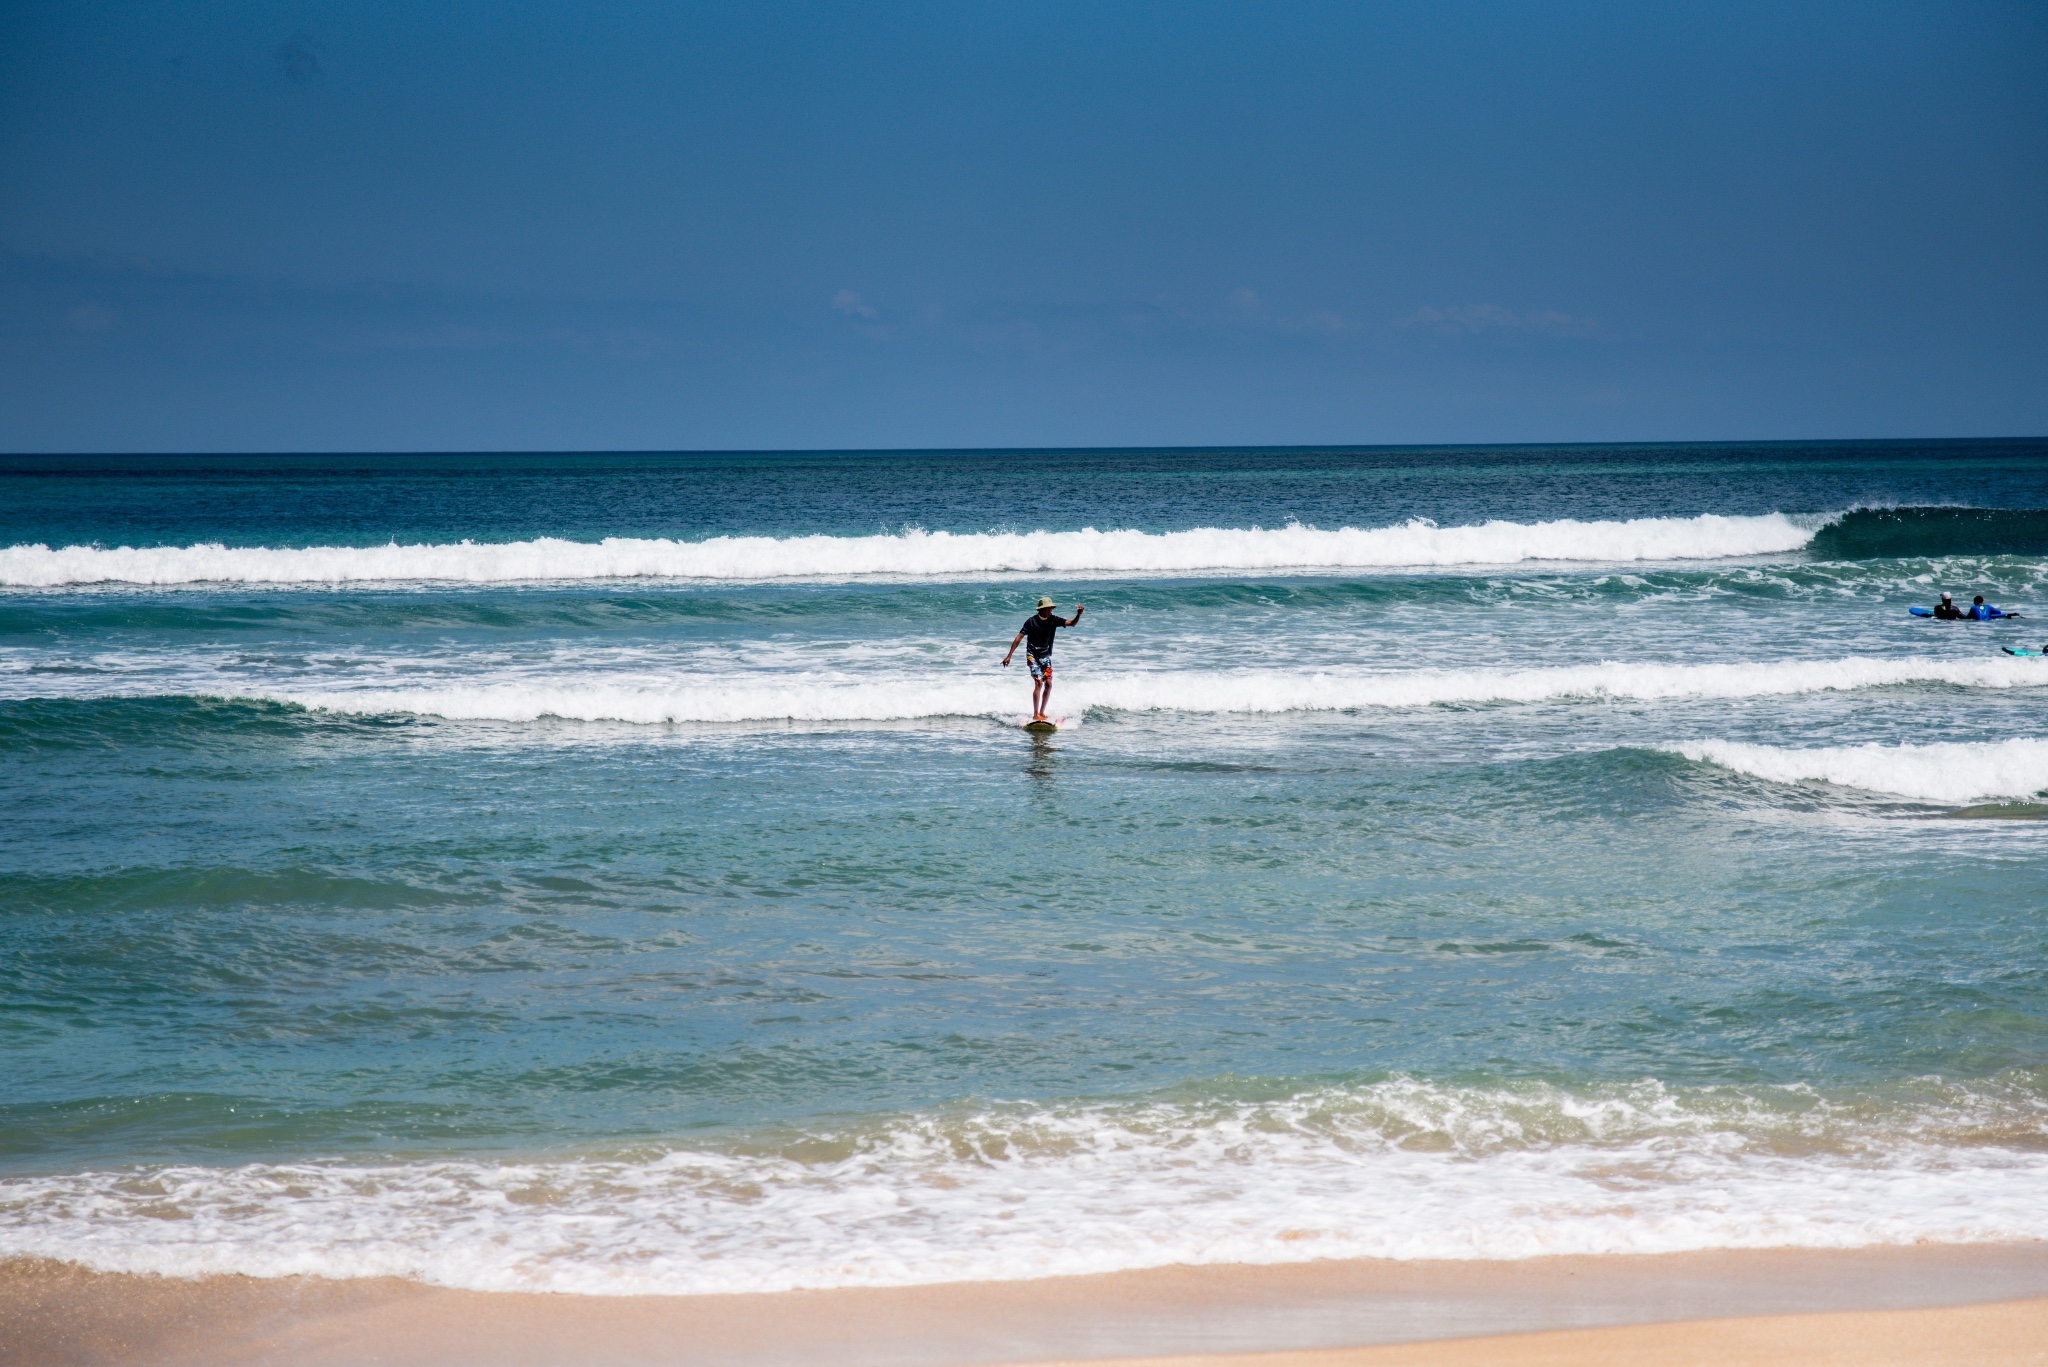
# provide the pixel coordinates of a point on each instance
(1642, 1307)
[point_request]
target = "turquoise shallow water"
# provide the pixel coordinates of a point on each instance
(677, 915)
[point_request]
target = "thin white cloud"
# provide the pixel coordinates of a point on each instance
(1252, 312)
(853, 306)
(1464, 319)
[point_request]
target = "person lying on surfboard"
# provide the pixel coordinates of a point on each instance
(1040, 627)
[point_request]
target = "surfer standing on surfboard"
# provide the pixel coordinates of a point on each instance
(1040, 627)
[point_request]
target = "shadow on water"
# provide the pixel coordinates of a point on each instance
(1040, 765)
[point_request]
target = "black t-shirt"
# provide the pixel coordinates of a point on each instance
(1038, 634)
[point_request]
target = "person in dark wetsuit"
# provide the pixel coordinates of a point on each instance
(1947, 611)
(1040, 627)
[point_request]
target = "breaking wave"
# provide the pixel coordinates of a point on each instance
(917, 553)
(1860, 534)
(1402, 1168)
(750, 698)
(1960, 771)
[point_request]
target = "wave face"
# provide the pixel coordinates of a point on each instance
(1875, 533)
(1962, 771)
(917, 553)
(1397, 1169)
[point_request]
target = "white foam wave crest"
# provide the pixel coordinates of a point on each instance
(917, 553)
(729, 698)
(1402, 1169)
(1960, 771)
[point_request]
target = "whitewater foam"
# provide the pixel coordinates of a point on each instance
(917, 553)
(1960, 771)
(728, 698)
(1400, 1169)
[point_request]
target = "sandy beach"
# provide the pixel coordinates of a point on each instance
(1913, 1305)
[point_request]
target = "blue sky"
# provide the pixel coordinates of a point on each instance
(367, 226)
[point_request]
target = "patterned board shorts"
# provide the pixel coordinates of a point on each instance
(1041, 666)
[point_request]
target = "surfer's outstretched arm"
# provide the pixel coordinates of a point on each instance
(1018, 638)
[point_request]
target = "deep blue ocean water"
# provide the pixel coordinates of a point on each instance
(627, 872)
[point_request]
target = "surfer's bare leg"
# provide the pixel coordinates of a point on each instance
(1041, 686)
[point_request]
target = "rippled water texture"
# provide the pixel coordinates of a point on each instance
(627, 873)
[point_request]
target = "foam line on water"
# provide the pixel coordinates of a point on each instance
(1959, 771)
(1398, 1169)
(919, 553)
(751, 698)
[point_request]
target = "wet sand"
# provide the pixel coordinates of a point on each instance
(1978, 1304)
(2001, 1335)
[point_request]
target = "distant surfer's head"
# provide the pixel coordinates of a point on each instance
(1978, 599)
(1046, 605)
(1944, 598)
